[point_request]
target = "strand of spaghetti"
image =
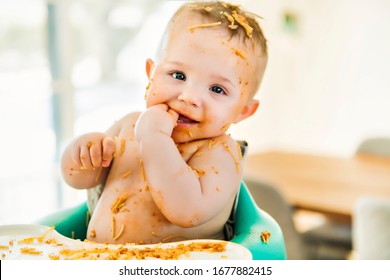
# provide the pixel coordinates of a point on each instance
(120, 232)
(198, 171)
(231, 19)
(216, 143)
(127, 174)
(142, 170)
(225, 127)
(204, 25)
(30, 251)
(113, 226)
(119, 203)
(239, 53)
(122, 147)
(115, 154)
(226, 147)
(54, 257)
(29, 240)
(98, 174)
(239, 150)
(244, 23)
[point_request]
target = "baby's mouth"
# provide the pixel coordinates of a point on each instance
(185, 120)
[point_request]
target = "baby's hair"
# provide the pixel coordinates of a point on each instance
(237, 21)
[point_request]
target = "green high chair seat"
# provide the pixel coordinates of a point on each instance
(248, 222)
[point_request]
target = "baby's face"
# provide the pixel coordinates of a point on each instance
(206, 78)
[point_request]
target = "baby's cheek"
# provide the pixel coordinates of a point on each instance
(221, 122)
(152, 99)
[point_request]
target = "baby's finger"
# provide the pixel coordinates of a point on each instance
(85, 157)
(174, 115)
(95, 152)
(162, 106)
(108, 145)
(75, 155)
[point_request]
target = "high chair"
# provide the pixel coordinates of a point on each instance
(247, 223)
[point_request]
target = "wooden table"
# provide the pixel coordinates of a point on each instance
(325, 184)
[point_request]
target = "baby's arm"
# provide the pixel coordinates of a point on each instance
(187, 194)
(86, 160)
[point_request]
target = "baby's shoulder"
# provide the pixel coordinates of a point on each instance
(223, 143)
(124, 124)
(225, 140)
(129, 118)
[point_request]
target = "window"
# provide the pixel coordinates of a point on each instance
(66, 67)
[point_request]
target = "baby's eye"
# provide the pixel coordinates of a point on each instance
(179, 76)
(217, 90)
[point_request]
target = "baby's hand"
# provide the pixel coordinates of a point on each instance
(158, 118)
(93, 150)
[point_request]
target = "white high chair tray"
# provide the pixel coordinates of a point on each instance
(37, 242)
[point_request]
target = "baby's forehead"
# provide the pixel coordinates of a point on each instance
(191, 23)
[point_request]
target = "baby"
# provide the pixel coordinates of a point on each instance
(172, 173)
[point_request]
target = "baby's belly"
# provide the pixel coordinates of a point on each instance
(134, 218)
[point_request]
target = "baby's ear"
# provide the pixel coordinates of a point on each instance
(149, 67)
(249, 109)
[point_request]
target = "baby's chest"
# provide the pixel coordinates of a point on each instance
(127, 164)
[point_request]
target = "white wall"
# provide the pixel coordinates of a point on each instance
(327, 85)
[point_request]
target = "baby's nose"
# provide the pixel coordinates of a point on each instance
(190, 97)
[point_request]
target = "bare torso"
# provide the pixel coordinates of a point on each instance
(126, 211)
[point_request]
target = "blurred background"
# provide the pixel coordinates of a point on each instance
(69, 67)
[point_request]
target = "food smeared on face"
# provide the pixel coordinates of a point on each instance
(239, 53)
